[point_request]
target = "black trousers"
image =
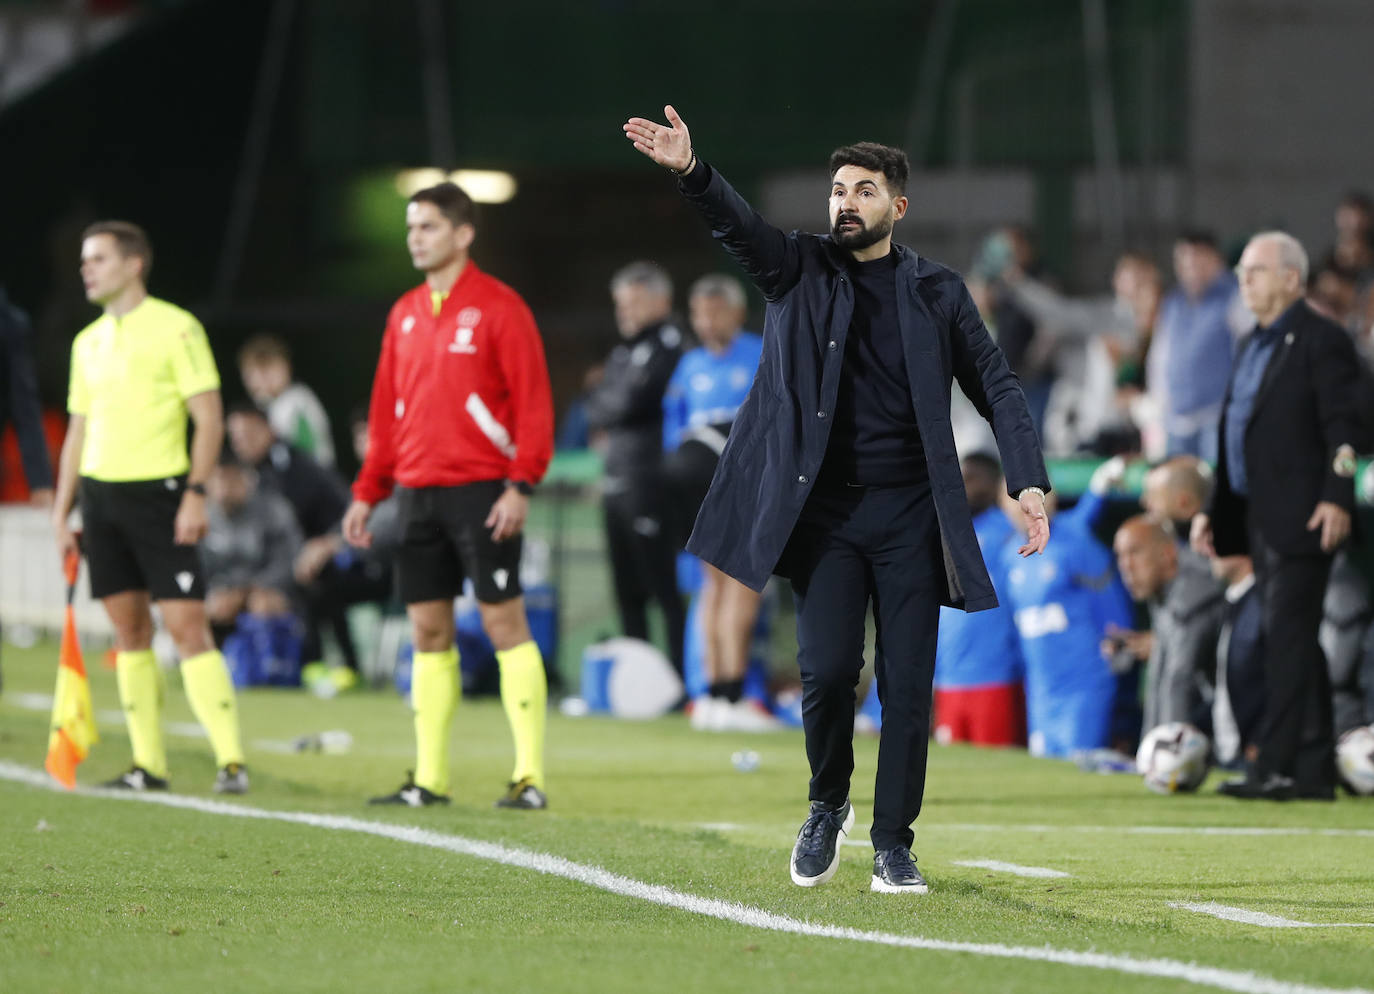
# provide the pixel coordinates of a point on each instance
(328, 598)
(644, 562)
(1296, 737)
(852, 546)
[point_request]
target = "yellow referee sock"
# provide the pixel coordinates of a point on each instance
(211, 693)
(524, 694)
(434, 694)
(140, 694)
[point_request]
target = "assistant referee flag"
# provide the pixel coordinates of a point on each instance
(73, 724)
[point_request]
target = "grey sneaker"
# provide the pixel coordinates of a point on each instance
(894, 872)
(523, 794)
(232, 779)
(137, 778)
(817, 852)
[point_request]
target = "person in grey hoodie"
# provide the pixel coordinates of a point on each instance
(1187, 608)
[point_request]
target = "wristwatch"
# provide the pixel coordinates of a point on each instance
(1344, 464)
(196, 488)
(521, 487)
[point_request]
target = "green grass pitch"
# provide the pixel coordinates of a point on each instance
(107, 895)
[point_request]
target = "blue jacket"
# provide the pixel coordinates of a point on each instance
(707, 389)
(779, 438)
(982, 650)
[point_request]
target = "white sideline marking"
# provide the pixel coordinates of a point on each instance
(1361, 833)
(740, 914)
(1259, 918)
(1013, 868)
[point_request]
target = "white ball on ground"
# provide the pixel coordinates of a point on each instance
(1355, 759)
(1173, 758)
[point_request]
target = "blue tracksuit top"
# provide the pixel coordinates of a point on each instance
(708, 389)
(983, 649)
(1062, 602)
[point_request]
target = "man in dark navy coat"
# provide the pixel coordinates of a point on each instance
(841, 472)
(1285, 494)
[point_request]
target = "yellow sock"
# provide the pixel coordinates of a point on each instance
(524, 695)
(434, 693)
(140, 694)
(211, 693)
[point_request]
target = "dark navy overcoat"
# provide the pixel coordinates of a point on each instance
(778, 441)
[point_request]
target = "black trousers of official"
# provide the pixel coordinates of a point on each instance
(1296, 738)
(853, 545)
(639, 539)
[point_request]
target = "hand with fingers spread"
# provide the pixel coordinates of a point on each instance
(669, 145)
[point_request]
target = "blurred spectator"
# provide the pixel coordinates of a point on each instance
(628, 407)
(1190, 351)
(1284, 494)
(249, 548)
(334, 576)
(1098, 343)
(1353, 250)
(318, 499)
(1238, 705)
(699, 406)
(573, 430)
(295, 413)
(979, 672)
(19, 402)
(318, 496)
(1177, 490)
(1015, 330)
(1063, 603)
(1186, 610)
(1333, 293)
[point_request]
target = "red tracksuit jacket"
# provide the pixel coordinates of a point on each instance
(460, 397)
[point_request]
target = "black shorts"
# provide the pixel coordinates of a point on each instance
(444, 539)
(688, 471)
(128, 535)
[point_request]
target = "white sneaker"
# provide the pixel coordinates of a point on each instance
(746, 716)
(704, 713)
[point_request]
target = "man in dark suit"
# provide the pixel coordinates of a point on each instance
(840, 472)
(1285, 493)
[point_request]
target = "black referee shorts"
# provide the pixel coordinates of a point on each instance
(128, 535)
(444, 539)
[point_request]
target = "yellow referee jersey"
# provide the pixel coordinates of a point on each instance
(130, 377)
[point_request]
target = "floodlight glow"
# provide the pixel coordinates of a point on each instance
(412, 181)
(486, 186)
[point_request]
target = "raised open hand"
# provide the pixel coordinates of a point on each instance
(669, 145)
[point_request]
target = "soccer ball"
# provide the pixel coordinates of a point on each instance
(1355, 759)
(1173, 758)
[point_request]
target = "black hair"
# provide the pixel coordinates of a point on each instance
(891, 162)
(451, 199)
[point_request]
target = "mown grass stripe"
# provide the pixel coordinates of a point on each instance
(750, 917)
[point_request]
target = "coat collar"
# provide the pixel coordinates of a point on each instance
(908, 261)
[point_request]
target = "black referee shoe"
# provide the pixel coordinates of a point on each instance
(817, 852)
(894, 872)
(523, 794)
(411, 794)
(137, 778)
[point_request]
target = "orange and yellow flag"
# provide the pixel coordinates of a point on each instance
(73, 723)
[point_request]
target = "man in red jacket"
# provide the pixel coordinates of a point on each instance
(461, 426)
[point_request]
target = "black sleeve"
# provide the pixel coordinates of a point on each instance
(771, 258)
(26, 410)
(983, 374)
(632, 394)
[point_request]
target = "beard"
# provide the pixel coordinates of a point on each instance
(861, 237)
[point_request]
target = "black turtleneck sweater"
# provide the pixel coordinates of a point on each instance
(874, 440)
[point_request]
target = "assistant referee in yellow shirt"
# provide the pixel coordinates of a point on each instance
(137, 372)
